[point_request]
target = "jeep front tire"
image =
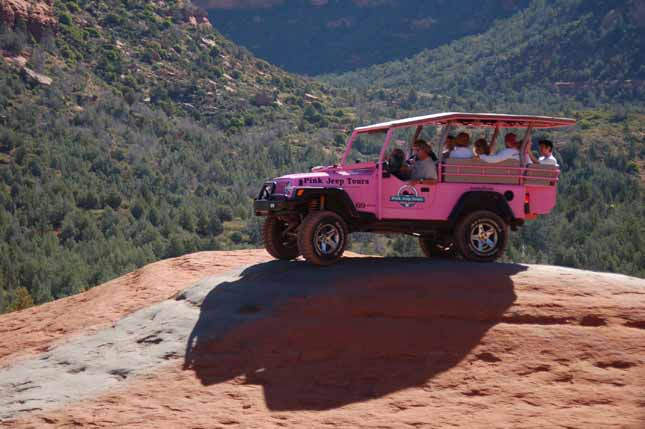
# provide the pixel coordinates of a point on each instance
(481, 236)
(322, 237)
(276, 242)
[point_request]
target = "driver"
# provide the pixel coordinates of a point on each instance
(396, 164)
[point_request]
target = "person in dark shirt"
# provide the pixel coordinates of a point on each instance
(396, 165)
(448, 146)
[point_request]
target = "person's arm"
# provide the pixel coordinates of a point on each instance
(526, 144)
(498, 157)
(493, 141)
(532, 157)
(527, 135)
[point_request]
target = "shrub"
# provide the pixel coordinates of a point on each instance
(65, 19)
(236, 237)
(224, 213)
(13, 41)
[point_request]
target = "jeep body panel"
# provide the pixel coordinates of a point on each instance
(400, 200)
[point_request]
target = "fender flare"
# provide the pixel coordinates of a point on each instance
(482, 200)
(337, 200)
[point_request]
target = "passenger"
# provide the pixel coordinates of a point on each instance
(424, 170)
(462, 150)
(545, 148)
(396, 165)
(481, 147)
(511, 151)
(448, 146)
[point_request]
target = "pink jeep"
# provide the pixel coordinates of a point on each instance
(467, 212)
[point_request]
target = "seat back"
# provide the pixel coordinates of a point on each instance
(546, 174)
(477, 171)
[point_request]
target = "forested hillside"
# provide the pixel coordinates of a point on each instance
(315, 37)
(591, 50)
(134, 132)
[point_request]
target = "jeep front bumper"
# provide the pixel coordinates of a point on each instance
(272, 207)
(268, 203)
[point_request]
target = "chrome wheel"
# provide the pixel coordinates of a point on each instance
(483, 237)
(322, 237)
(327, 239)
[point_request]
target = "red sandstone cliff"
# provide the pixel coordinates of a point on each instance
(38, 16)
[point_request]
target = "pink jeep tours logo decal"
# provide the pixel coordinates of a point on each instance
(407, 197)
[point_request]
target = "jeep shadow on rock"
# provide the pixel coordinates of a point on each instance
(467, 212)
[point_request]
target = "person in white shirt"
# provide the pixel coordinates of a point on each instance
(462, 149)
(511, 151)
(545, 148)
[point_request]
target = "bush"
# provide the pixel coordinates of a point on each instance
(113, 200)
(13, 41)
(236, 237)
(21, 300)
(65, 19)
(224, 213)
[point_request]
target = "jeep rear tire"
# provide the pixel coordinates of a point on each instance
(275, 242)
(481, 236)
(433, 248)
(322, 237)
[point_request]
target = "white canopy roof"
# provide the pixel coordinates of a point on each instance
(473, 120)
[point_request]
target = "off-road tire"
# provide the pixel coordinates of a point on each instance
(274, 241)
(432, 248)
(481, 236)
(313, 228)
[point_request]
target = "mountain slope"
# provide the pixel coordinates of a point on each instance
(360, 346)
(315, 37)
(596, 46)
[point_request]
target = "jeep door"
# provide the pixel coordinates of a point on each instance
(401, 200)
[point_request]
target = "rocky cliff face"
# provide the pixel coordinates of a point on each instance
(373, 342)
(37, 16)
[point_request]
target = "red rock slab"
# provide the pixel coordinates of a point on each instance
(566, 350)
(33, 330)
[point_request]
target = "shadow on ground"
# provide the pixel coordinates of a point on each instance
(319, 338)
